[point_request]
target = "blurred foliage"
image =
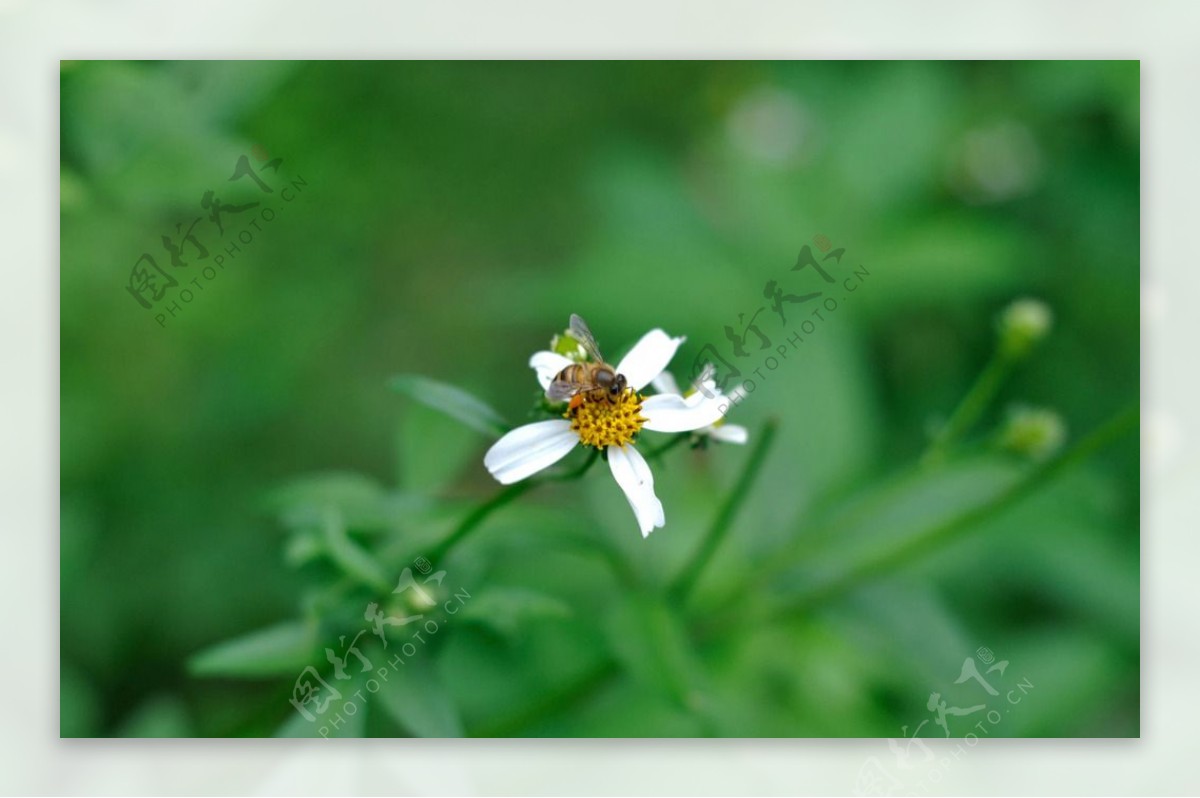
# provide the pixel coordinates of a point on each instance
(239, 482)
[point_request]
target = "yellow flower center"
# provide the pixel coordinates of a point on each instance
(601, 422)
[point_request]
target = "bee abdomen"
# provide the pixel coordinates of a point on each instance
(575, 373)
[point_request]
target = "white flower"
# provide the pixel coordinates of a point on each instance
(719, 430)
(609, 425)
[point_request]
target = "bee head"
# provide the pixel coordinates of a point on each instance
(618, 385)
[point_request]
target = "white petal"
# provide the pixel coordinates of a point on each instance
(729, 433)
(547, 364)
(648, 358)
(632, 473)
(528, 449)
(665, 383)
(668, 412)
(738, 394)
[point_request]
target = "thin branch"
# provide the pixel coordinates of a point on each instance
(687, 579)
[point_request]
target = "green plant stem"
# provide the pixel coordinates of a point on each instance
(477, 516)
(829, 524)
(583, 688)
(659, 451)
(942, 533)
(972, 406)
(683, 585)
(508, 494)
(576, 473)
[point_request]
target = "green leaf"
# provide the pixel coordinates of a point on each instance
(161, 716)
(364, 506)
(353, 559)
(432, 450)
(416, 699)
(303, 500)
(652, 644)
(890, 515)
(79, 704)
(303, 547)
(453, 402)
(506, 609)
(281, 650)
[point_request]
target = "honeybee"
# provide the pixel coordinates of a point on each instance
(594, 380)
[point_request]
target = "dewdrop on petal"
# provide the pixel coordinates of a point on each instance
(1022, 324)
(1036, 433)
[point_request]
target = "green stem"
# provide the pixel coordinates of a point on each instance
(585, 686)
(576, 473)
(686, 581)
(659, 451)
(831, 523)
(581, 689)
(476, 517)
(509, 493)
(941, 533)
(972, 406)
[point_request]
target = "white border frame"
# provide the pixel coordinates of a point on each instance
(35, 35)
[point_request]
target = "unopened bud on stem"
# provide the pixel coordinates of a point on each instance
(1022, 324)
(1036, 433)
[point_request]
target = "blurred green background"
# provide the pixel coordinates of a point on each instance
(450, 217)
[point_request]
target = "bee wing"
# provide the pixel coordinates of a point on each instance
(581, 333)
(562, 390)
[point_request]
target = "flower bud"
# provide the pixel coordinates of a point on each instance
(1036, 433)
(1022, 324)
(565, 344)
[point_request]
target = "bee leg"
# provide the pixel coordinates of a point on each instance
(576, 401)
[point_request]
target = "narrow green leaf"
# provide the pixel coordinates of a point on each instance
(353, 559)
(303, 547)
(453, 402)
(506, 609)
(652, 643)
(358, 498)
(161, 716)
(281, 650)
